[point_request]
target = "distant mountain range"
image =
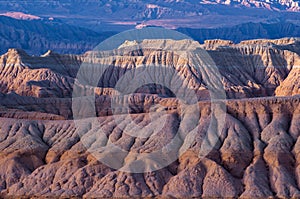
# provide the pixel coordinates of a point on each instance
(77, 26)
(38, 36)
(288, 5)
(125, 14)
(162, 6)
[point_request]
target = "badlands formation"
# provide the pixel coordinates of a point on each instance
(45, 153)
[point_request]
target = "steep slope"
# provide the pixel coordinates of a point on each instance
(291, 85)
(255, 68)
(45, 76)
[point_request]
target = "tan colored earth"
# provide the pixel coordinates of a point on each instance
(45, 153)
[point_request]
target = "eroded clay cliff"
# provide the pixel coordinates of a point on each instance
(46, 152)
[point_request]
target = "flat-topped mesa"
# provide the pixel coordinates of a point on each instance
(128, 43)
(214, 43)
(20, 15)
(142, 48)
(162, 44)
(218, 42)
(282, 41)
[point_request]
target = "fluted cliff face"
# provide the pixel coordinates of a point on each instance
(255, 68)
(44, 153)
(39, 77)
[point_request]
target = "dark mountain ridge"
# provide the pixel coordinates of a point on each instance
(245, 31)
(38, 36)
